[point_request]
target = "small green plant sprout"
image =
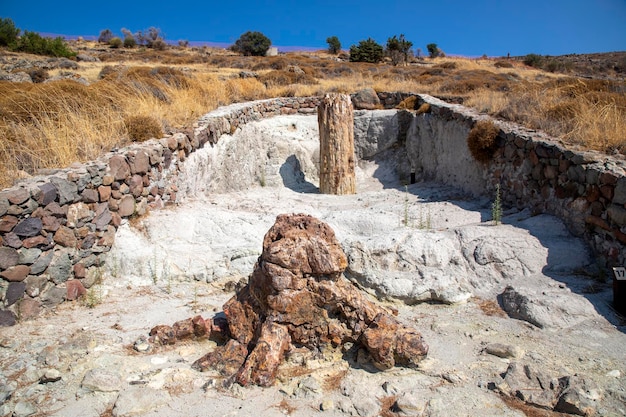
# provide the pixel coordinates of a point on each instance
(496, 207)
(405, 221)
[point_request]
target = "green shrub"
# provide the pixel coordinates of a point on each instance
(142, 128)
(533, 60)
(8, 32)
(115, 42)
(482, 140)
(366, 51)
(433, 50)
(34, 43)
(129, 42)
(334, 46)
(252, 44)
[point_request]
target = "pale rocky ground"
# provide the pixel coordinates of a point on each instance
(425, 250)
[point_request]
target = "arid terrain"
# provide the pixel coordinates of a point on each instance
(517, 316)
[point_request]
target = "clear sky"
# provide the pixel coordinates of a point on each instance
(458, 27)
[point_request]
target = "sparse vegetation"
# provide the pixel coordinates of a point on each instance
(34, 43)
(398, 49)
(496, 207)
(50, 125)
(252, 44)
(482, 140)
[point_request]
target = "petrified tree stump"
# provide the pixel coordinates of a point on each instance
(296, 296)
(336, 126)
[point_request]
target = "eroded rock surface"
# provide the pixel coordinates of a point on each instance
(297, 296)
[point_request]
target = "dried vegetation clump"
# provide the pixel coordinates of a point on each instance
(52, 124)
(482, 140)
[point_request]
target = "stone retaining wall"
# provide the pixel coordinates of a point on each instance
(55, 228)
(586, 189)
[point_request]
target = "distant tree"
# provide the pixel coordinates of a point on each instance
(419, 53)
(366, 51)
(398, 49)
(252, 44)
(105, 36)
(8, 32)
(334, 46)
(129, 38)
(433, 50)
(183, 43)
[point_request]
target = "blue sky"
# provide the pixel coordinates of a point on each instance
(458, 27)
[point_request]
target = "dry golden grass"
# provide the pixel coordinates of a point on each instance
(54, 124)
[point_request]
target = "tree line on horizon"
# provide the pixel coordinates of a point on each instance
(251, 43)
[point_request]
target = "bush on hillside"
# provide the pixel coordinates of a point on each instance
(433, 50)
(115, 43)
(252, 44)
(34, 43)
(8, 32)
(142, 128)
(366, 51)
(482, 140)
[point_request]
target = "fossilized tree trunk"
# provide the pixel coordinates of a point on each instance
(336, 125)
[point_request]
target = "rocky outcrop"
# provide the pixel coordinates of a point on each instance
(297, 296)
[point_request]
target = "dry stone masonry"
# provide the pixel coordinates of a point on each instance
(56, 228)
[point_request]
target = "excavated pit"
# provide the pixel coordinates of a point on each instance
(425, 250)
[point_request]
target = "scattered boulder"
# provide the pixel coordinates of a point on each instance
(366, 99)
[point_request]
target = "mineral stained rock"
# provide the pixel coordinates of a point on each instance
(296, 296)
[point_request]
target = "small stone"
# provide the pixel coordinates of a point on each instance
(126, 206)
(102, 380)
(24, 409)
(327, 405)
(142, 345)
(50, 375)
(615, 373)
(29, 308)
(8, 223)
(7, 318)
(65, 236)
(18, 195)
(75, 290)
(137, 400)
(16, 273)
(13, 241)
(15, 292)
(8, 257)
(28, 227)
(504, 351)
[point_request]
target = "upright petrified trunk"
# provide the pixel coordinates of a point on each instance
(336, 125)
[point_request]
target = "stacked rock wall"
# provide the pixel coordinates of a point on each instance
(55, 228)
(586, 189)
